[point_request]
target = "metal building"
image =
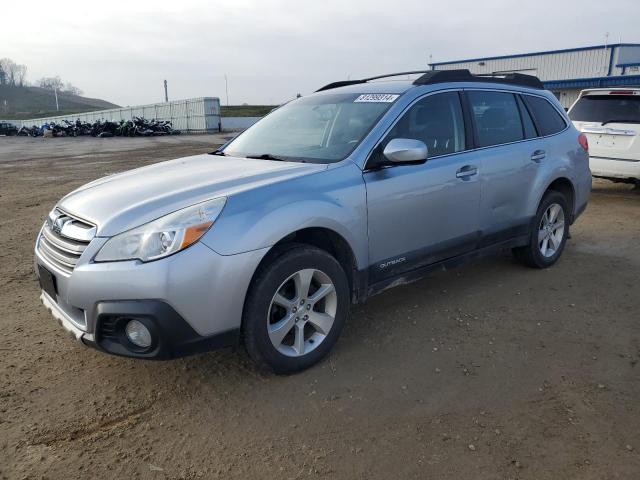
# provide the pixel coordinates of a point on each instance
(564, 72)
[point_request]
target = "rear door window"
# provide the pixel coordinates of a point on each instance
(607, 109)
(547, 118)
(496, 116)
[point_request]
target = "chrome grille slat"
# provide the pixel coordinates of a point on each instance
(63, 240)
(63, 244)
(62, 257)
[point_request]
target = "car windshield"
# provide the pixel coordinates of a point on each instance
(321, 128)
(607, 108)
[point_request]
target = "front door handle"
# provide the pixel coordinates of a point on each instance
(467, 171)
(538, 155)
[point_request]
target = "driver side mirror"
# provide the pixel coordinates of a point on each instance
(406, 150)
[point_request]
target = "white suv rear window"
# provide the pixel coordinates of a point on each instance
(607, 109)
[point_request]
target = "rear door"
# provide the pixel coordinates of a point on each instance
(506, 139)
(420, 214)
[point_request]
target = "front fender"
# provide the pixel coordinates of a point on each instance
(334, 199)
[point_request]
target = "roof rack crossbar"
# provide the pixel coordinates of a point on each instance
(464, 75)
(430, 77)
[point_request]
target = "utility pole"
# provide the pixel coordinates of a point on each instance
(166, 94)
(226, 88)
(606, 45)
(55, 93)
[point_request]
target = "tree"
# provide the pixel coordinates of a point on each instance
(51, 83)
(8, 66)
(72, 89)
(21, 75)
(12, 73)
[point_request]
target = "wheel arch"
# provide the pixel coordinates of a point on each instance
(564, 186)
(325, 239)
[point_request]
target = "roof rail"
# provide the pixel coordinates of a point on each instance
(464, 75)
(344, 83)
(430, 77)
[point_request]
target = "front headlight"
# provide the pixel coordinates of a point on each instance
(163, 236)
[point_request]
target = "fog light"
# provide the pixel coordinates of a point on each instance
(138, 334)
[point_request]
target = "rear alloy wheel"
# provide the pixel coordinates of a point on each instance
(551, 230)
(295, 309)
(549, 235)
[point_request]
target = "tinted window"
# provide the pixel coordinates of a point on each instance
(529, 127)
(547, 118)
(497, 118)
(437, 121)
(607, 108)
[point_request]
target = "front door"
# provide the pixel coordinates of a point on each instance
(424, 213)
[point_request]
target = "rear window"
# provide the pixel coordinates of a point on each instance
(607, 109)
(547, 118)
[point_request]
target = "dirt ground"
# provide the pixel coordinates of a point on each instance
(488, 371)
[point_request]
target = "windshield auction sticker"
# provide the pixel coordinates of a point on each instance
(377, 97)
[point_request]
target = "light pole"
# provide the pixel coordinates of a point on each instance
(166, 94)
(55, 93)
(226, 88)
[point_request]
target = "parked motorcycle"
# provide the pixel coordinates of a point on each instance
(136, 127)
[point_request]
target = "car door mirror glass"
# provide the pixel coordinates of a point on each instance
(405, 150)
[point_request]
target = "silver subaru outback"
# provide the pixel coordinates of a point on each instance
(328, 200)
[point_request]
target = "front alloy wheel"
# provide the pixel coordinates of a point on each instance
(295, 308)
(302, 312)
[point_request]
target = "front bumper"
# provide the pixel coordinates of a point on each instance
(172, 336)
(193, 299)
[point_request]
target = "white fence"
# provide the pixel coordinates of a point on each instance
(193, 115)
(17, 123)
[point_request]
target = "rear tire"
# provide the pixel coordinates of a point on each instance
(549, 233)
(296, 307)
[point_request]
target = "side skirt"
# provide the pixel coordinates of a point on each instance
(411, 276)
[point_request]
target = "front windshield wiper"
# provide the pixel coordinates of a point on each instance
(218, 152)
(620, 120)
(267, 156)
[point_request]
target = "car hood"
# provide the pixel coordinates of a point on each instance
(126, 200)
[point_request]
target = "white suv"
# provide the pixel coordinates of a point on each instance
(610, 117)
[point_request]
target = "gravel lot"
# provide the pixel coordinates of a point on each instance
(489, 371)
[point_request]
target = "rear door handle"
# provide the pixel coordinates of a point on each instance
(538, 155)
(467, 171)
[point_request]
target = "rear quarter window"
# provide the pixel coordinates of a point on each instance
(547, 118)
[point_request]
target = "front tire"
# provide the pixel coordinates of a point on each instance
(549, 233)
(296, 307)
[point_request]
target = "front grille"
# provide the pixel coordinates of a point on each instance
(63, 239)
